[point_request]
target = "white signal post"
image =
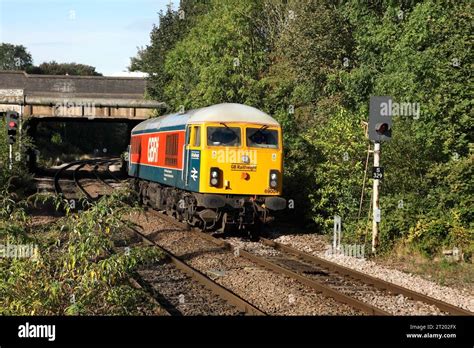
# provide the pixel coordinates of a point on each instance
(375, 202)
(10, 156)
(20, 125)
(336, 244)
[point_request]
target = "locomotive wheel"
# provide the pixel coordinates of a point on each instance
(181, 210)
(189, 213)
(143, 193)
(254, 231)
(169, 210)
(226, 228)
(136, 185)
(156, 199)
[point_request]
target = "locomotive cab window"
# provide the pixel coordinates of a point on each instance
(262, 137)
(194, 136)
(223, 136)
(197, 136)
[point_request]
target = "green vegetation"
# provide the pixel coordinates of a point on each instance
(172, 28)
(18, 175)
(16, 57)
(54, 68)
(314, 65)
(76, 270)
(311, 64)
(443, 271)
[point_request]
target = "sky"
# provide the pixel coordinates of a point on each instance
(101, 33)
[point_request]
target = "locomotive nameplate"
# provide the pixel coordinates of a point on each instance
(238, 167)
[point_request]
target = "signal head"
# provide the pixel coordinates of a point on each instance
(382, 128)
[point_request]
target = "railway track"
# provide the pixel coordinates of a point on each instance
(343, 284)
(336, 270)
(57, 177)
(190, 273)
(99, 176)
(268, 264)
(76, 175)
(188, 292)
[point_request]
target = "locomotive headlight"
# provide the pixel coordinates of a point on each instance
(273, 179)
(215, 176)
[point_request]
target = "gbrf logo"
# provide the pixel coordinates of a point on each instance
(153, 144)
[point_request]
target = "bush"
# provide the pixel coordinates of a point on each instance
(76, 270)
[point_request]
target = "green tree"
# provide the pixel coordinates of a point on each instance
(417, 52)
(54, 68)
(314, 65)
(220, 60)
(173, 26)
(14, 57)
(304, 93)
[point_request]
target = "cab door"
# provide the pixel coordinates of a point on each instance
(193, 159)
(184, 172)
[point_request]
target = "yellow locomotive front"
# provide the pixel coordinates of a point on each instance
(241, 159)
(241, 169)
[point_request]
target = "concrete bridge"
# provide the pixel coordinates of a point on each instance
(75, 97)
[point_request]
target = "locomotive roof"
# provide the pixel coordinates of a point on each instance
(226, 112)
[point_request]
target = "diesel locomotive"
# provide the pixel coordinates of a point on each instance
(216, 167)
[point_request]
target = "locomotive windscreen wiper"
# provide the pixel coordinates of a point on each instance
(226, 126)
(259, 131)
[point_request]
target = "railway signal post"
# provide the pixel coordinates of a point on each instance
(375, 198)
(12, 127)
(380, 129)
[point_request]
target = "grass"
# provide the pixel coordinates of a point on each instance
(439, 270)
